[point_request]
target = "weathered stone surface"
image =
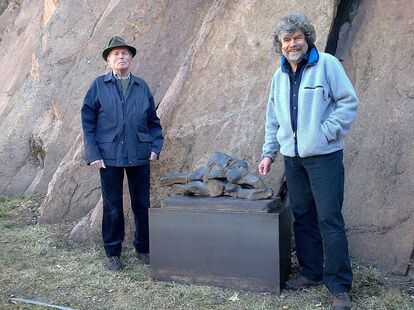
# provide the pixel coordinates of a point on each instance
(44, 92)
(215, 172)
(221, 101)
(196, 188)
(234, 175)
(88, 228)
(215, 188)
(73, 191)
(174, 178)
(197, 175)
(222, 171)
(254, 194)
(221, 165)
(230, 189)
(20, 24)
(225, 161)
(3, 5)
(379, 152)
(251, 180)
(178, 189)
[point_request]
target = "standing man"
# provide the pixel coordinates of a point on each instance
(311, 106)
(121, 133)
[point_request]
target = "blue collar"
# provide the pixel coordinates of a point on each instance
(310, 58)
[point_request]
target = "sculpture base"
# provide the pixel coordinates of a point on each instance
(221, 241)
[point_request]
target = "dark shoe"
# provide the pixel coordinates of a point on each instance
(114, 263)
(143, 257)
(299, 282)
(341, 301)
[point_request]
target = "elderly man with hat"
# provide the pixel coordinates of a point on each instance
(121, 133)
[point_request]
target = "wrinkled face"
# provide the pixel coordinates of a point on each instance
(294, 46)
(119, 59)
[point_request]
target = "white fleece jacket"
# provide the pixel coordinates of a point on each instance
(327, 105)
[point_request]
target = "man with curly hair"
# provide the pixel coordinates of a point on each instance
(311, 106)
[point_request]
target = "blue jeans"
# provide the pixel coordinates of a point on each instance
(113, 226)
(316, 189)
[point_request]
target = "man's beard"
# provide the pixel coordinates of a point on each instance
(297, 56)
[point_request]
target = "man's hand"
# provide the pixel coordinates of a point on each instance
(98, 164)
(264, 165)
(153, 156)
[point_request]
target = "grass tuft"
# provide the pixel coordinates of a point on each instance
(40, 263)
(3, 198)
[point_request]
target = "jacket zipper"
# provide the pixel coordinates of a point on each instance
(295, 134)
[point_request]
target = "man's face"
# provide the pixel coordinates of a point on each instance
(294, 46)
(119, 59)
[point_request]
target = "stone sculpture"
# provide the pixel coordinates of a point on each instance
(223, 176)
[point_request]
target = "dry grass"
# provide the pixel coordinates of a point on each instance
(40, 263)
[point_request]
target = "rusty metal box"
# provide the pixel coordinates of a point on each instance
(221, 241)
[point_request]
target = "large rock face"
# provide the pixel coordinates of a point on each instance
(222, 105)
(379, 158)
(61, 61)
(20, 25)
(232, 53)
(209, 64)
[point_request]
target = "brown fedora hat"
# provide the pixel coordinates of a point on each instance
(117, 42)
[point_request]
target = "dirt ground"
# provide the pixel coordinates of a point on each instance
(40, 263)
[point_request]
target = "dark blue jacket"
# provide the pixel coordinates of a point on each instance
(121, 130)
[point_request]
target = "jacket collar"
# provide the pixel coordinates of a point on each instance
(109, 77)
(311, 57)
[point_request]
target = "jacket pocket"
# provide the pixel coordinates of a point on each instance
(324, 139)
(144, 137)
(317, 92)
(313, 87)
(144, 146)
(105, 137)
(106, 145)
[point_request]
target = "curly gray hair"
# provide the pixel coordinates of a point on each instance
(289, 24)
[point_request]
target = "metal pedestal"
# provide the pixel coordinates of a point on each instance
(221, 241)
